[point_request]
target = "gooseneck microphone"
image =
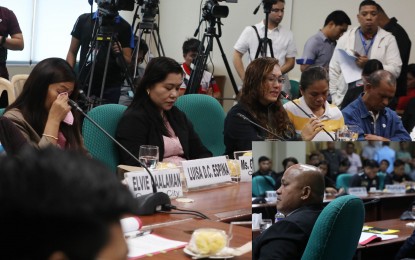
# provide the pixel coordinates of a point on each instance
(263, 128)
(147, 204)
(285, 95)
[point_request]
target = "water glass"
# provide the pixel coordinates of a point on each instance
(149, 156)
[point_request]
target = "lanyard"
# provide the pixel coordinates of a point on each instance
(364, 42)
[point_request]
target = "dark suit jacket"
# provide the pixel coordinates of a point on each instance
(136, 128)
(287, 238)
(408, 248)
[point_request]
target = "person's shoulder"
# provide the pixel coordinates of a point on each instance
(13, 113)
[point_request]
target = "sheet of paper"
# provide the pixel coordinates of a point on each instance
(365, 235)
(151, 244)
(351, 72)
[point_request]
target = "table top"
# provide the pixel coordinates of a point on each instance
(229, 202)
(183, 230)
(403, 234)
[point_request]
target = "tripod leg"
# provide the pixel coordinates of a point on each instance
(200, 64)
(106, 68)
(228, 69)
(159, 40)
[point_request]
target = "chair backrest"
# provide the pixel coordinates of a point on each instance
(336, 233)
(10, 136)
(295, 89)
(261, 184)
(344, 181)
(98, 144)
(207, 117)
(18, 82)
(5, 85)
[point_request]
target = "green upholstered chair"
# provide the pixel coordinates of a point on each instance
(295, 89)
(337, 230)
(343, 181)
(2, 111)
(381, 177)
(207, 117)
(98, 144)
(261, 184)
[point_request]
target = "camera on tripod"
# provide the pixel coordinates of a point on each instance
(108, 10)
(213, 10)
(149, 9)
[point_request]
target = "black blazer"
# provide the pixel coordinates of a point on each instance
(287, 239)
(136, 128)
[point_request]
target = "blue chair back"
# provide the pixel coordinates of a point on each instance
(98, 144)
(343, 181)
(261, 184)
(337, 230)
(207, 117)
(381, 177)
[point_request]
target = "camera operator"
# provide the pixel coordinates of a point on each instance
(283, 45)
(122, 46)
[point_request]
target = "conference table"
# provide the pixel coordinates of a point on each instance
(378, 206)
(388, 248)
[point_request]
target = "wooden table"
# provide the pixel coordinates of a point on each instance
(182, 231)
(231, 202)
(388, 248)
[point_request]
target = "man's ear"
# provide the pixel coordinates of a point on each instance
(305, 192)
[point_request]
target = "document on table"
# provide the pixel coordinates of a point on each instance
(366, 238)
(351, 72)
(151, 244)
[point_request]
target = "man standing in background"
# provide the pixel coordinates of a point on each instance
(283, 45)
(9, 26)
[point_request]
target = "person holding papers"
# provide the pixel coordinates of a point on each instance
(259, 114)
(300, 199)
(152, 118)
(370, 113)
(61, 205)
(368, 178)
(368, 41)
(314, 88)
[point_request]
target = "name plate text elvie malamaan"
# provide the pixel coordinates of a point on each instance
(203, 172)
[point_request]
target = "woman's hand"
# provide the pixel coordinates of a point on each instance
(311, 129)
(59, 108)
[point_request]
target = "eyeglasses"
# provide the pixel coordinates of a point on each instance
(274, 80)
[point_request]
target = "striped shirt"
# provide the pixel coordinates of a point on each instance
(332, 118)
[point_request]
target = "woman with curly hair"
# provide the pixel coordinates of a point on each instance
(259, 114)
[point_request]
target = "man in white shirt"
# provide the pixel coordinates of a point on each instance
(368, 41)
(354, 158)
(282, 39)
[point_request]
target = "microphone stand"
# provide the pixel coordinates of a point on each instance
(285, 95)
(263, 128)
(147, 204)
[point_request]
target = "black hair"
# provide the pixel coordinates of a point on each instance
(371, 163)
(191, 44)
(338, 17)
(386, 161)
(345, 162)
(314, 154)
(56, 200)
(31, 102)
(411, 69)
(398, 162)
(368, 2)
(349, 143)
(289, 159)
(156, 71)
(324, 162)
(262, 159)
(372, 66)
(311, 75)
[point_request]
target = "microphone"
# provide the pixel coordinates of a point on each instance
(285, 95)
(147, 204)
(374, 201)
(263, 128)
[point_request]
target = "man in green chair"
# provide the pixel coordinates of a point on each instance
(300, 199)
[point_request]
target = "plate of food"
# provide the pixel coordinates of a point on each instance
(216, 256)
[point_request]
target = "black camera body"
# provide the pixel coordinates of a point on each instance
(213, 10)
(149, 9)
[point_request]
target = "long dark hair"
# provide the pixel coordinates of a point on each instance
(31, 102)
(156, 71)
(274, 117)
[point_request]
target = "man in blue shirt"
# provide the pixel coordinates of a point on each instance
(370, 113)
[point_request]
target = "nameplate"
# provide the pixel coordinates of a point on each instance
(203, 172)
(396, 188)
(246, 164)
(167, 181)
(357, 191)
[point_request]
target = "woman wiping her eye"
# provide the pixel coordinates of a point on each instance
(42, 113)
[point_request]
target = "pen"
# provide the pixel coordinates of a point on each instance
(136, 234)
